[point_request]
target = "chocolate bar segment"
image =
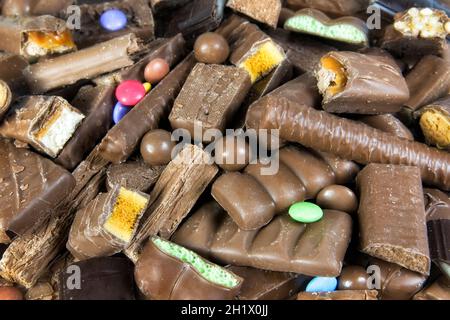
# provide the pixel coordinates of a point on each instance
(135, 175)
(45, 122)
(35, 37)
(351, 82)
(167, 271)
(392, 216)
(267, 12)
(335, 7)
(339, 295)
(435, 122)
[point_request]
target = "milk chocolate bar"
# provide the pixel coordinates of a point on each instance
(101, 279)
(32, 187)
(5, 98)
(187, 276)
(438, 290)
(35, 37)
(107, 224)
(34, 7)
(121, 141)
(45, 122)
(135, 175)
(384, 202)
(139, 21)
(335, 7)
(388, 123)
(351, 82)
(267, 12)
(84, 64)
(283, 245)
(346, 138)
(11, 68)
(209, 98)
(339, 295)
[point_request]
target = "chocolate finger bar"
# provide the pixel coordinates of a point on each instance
(388, 123)
(45, 122)
(335, 7)
(283, 245)
(36, 37)
(388, 210)
(359, 83)
(84, 64)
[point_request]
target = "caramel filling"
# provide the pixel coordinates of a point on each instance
(333, 76)
(436, 128)
(125, 215)
(51, 40)
(42, 132)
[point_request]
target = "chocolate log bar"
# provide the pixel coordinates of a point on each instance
(435, 122)
(106, 225)
(335, 7)
(339, 295)
(392, 216)
(35, 37)
(351, 82)
(167, 271)
(84, 64)
(182, 182)
(438, 290)
(283, 245)
(122, 140)
(209, 99)
(5, 98)
(44, 122)
(100, 279)
(267, 12)
(139, 21)
(346, 138)
(32, 187)
(11, 68)
(34, 7)
(390, 124)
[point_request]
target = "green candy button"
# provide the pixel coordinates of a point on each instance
(305, 212)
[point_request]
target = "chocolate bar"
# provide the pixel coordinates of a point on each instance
(388, 123)
(107, 225)
(268, 285)
(283, 245)
(351, 82)
(346, 138)
(384, 202)
(122, 140)
(34, 7)
(350, 30)
(135, 175)
(35, 37)
(182, 182)
(435, 121)
(438, 290)
(187, 276)
(32, 187)
(100, 279)
(334, 7)
(267, 12)
(417, 32)
(84, 64)
(339, 295)
(139, 21)
(428, 81)
(44, 122)
(11, 67)
(5, 98)
(209, 98)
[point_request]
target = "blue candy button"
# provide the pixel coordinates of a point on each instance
(119, 112)
(322, 284)
(113, 20)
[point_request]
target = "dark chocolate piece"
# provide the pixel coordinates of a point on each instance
(339, 295)
(32, 188)
(166, 271)
(438, 290)
(335, 7)
(267, 12)
(388, 123)
(352, 82)
(100, 279)
(34, 7)
(135, 175)
(283, 245)
(392, 216)
(435, 122)
(11, 68)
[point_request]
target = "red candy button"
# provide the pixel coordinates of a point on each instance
(130, 92)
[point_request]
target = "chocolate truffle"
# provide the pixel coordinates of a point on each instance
(337, 197)
(211, 48)
(156, 147)
(156, 70)
(232, 153)
(353, 278)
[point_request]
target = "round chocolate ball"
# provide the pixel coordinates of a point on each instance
(156, 147)
(156, 70)
(211, 48)
(17, 7)
(10, 293)
(337, 197)
(353, 278)
(232, 153)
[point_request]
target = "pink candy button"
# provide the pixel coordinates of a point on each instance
(130, 92)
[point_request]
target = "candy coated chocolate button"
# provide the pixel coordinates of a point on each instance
(211, 48)
(119, 112)
(147, 86)
(337, 197)
(113, 20)
(10, 293)
(130, 92)
(322, 284)
(156, 70)
(156, 147)
(353, 278)
(305, 212)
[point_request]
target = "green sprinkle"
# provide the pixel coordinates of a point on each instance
(305, 212)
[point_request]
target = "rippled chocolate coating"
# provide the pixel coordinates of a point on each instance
(156, 147)
(211, 47)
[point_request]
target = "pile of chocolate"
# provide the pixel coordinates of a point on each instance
(213, 149)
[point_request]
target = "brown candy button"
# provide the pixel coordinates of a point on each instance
(211, 48)
(232, 153)
(10, 293)
(337, 197)
(353, 278)
(156, 70)
(156, 147)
